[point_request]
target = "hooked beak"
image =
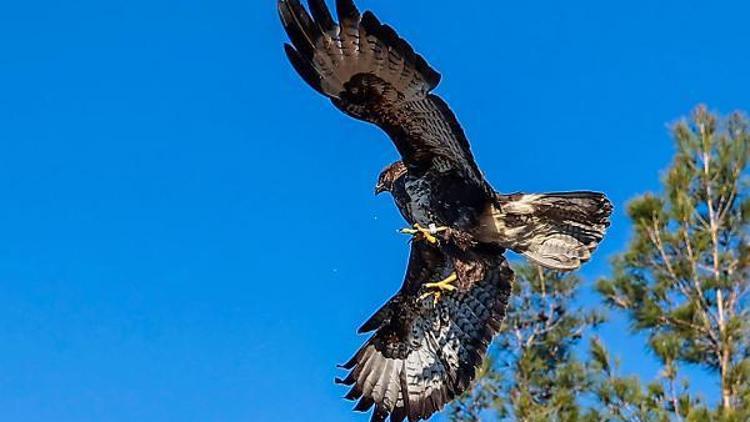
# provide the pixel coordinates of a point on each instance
(379, 188)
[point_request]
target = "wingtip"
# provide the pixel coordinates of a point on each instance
(321, 14)
(347, 10)
(364, 404)
(304, 68)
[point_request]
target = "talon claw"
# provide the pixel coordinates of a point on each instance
(435, 297)
(440, 286)
(427, 234)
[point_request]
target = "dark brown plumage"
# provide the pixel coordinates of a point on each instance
(424, 353)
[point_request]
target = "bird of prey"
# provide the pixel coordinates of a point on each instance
(461, 224)
(424, 353)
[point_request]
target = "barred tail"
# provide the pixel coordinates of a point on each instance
(556, 230)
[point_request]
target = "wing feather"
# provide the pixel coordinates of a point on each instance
(422, 355)
(303, 67)
(372, 74)
(322, 16)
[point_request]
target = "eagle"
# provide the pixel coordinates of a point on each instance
(430, 337)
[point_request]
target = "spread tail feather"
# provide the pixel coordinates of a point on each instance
(556, 230)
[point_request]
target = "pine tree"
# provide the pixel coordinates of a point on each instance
(684, 280)
(625, 398)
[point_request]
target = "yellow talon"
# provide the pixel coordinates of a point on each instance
(427, 233)
(444, 284)
(440, 286)
(435, 298)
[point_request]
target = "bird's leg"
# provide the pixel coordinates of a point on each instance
(445, 284)
(427, 234)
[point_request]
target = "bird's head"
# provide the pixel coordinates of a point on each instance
(388, 177)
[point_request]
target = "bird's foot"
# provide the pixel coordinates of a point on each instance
(439, 287)
(427, 234)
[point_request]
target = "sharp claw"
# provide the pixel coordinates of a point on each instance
(440, 286)
(444, 284)
(430, 238)
(427, 233)
(424, 295)
(435, 297)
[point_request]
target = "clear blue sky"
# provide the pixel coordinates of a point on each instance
(188, 232)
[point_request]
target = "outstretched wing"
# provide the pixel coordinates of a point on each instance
(422, 354)
(373, 75)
